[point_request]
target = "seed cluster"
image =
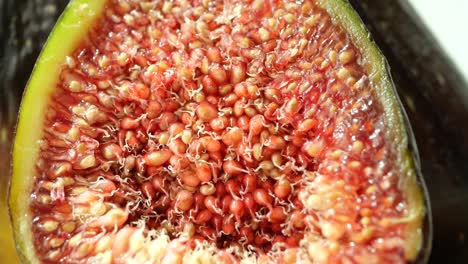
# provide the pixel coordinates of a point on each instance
(247, 126)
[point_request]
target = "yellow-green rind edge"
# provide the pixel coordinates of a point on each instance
(343, 14)
(68, 33)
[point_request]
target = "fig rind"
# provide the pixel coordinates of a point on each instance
(67, 35)
(400, 133)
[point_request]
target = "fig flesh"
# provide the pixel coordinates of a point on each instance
(213, 131)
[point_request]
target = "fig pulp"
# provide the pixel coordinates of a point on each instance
(213, 131)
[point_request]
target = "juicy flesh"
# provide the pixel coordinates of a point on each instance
(216, 130)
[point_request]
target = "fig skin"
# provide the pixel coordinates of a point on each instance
(77, 19)
(66, 36)
(418, 244)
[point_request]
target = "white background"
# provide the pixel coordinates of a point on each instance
(448, 20)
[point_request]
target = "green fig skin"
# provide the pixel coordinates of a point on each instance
(67, 35)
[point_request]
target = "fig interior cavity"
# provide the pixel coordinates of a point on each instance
(219, 131)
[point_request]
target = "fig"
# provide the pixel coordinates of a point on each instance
(214, 132)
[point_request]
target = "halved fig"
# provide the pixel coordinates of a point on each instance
(214, 132)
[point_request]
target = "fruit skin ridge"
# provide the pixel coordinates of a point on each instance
(78, 17)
